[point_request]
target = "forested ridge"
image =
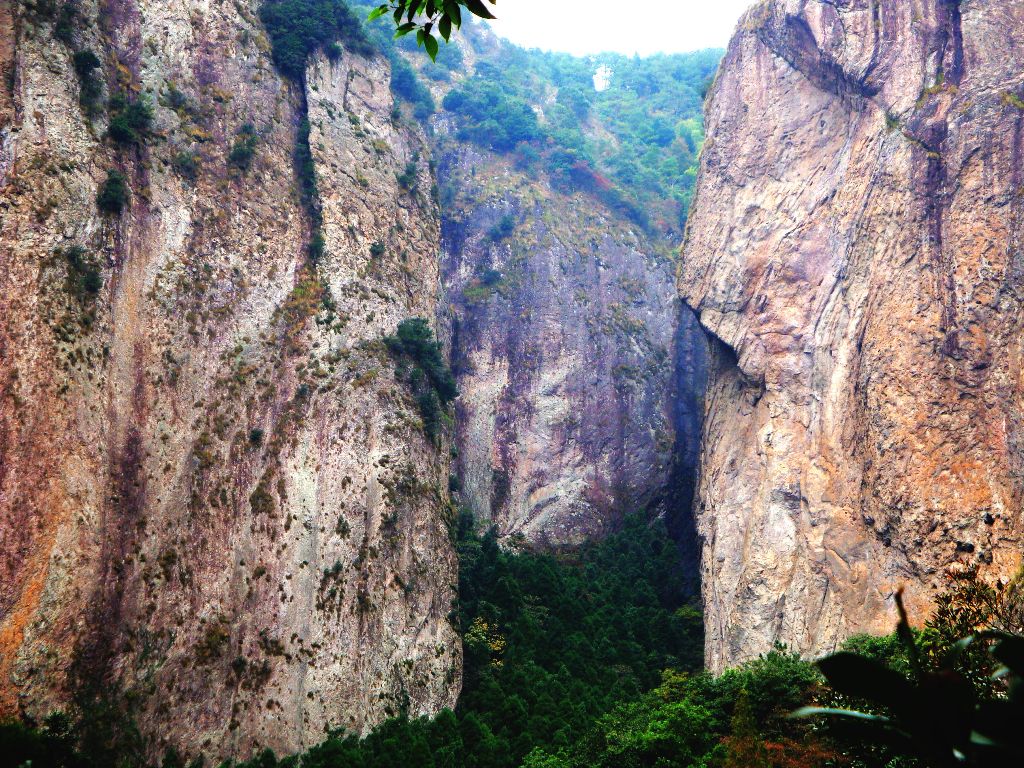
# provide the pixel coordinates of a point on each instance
(624, 129)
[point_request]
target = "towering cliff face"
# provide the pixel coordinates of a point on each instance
(855, 248)
(215, 496)
(564, 348)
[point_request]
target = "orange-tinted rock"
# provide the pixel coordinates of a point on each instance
(215, 495)
(855, 247)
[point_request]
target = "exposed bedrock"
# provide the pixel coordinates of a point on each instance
(855, 249)
(566, 329)
(216, 499)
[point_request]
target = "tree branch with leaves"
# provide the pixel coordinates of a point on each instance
(425, 17)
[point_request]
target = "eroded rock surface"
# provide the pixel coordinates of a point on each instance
(215, 497)
(856, 249)
(564, 347)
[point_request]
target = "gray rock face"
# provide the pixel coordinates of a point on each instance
(855, 248)
(215, 497)
(564, 345)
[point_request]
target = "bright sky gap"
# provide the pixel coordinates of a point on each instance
(584, 27)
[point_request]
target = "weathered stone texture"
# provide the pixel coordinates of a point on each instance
(215, 496)
(564, 347)
(856, 249)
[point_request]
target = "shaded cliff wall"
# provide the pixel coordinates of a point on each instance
(855, 248)
(215, 497)
(564, 346)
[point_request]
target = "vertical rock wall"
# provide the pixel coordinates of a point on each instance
(855, 249)
(564, 348)
(215, 497)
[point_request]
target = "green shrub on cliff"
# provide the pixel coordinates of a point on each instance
(297, 28)
(243, 150)
(422, 365)
(113, 193)
(84, 279)
(90, 86)
(130, 119)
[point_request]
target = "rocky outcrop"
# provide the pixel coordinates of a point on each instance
(216, 499)
(564, 346)
(855, 250)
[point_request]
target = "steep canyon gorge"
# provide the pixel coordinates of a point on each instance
(220, 498)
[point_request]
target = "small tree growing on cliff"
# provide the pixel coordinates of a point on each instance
(113, 194)
(425, 370)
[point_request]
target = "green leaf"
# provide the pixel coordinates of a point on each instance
(477, 8)
(430, 43)
(404, 30)
(454, 13)
(863, 678)
(377, 12)
(445, 28)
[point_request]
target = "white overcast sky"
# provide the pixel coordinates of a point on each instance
(637, 26)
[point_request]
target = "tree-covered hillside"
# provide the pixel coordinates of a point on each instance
(627, 130)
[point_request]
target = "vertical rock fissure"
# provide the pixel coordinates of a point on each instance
(690, 383)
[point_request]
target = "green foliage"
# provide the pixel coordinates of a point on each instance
(406, 85)
(113, 194)
(504, 228)
(99, 735)
(552, 644)
(66, 23)
(971, 603)
(700, 720)
(130, 120)
(407, 179)
(84, 279)
(297, 28)
(563, 669)
(492, 116)
(425, 16)
(642, 162)
(90, 87)
(307, 174)
(943, 713)
(315, 251)
(244, 148)
(53, 744)
(186, 164)
(425, 370)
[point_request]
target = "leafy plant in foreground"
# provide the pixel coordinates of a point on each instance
(936, 716)
(423, 16)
